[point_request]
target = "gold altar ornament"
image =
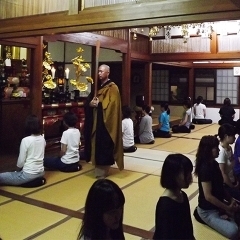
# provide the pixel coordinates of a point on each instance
(80, 69)
(47, 78)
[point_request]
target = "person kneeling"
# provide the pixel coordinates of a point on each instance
(30, 170)
(145, 134)
(199, 110)
(68, 161)
(127, 130)
(163, 130)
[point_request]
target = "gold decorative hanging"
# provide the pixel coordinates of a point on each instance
(47, 78)
(80, 69)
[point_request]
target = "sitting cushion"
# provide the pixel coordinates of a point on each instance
(37, 182)
(71, 168)
(197, 217)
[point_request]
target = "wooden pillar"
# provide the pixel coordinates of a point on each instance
(75, 6)
(36, 79)
(191, 84)
(148, 84)
(93, 68)
(213, 43)
(126, 74)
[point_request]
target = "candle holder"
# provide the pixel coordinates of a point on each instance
(76, 95)
(61, 94)
(67, 93)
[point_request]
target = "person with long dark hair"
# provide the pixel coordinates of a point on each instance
(215, 205)
(103, 214)
(163, 130)
(173, 217)
(30, 170)
(199, 111)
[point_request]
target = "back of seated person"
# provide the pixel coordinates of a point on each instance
(163, 130)
(199, 111)
(127, 130)
(227, 113)
(145, 134)
(68, 159)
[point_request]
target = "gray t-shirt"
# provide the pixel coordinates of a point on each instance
(145, 130)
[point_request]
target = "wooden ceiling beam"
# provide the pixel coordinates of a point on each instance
(125, 15)
(90, 39)
(186, 57)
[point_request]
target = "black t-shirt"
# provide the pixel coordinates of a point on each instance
(227, 112)
(210, 172)
(173, 219)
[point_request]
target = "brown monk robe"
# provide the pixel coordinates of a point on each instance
(104, 122)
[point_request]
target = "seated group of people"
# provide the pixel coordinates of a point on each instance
(218, 201)
(191, 115)
(32, 161)
(144, 133)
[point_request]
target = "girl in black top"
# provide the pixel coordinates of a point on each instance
(227, 113)
(173, 218)
(212, 208)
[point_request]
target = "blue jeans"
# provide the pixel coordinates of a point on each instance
(17, 178)
(227, 228)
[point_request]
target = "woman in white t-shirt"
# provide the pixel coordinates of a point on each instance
(127, 130)
(199, 111)
(30, 170)
(226, 133)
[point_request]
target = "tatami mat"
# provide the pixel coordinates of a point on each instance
(52, 177)
(50, 211)
(143, 195)
(180, 145)
(68, 229)
(4, 199)
(19, 220)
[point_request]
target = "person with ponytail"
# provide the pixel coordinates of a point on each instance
(163, 130)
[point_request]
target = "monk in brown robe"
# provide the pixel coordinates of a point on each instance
(103, 120)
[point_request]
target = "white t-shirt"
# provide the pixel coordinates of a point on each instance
(71, 138)
(127, 132)
(226, 157)
(199, 110)
(31, 154)
(189, 117)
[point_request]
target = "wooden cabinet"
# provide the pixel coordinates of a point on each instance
(13, 114)
(53, 127)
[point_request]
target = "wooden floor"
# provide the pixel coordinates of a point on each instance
(54, 211)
